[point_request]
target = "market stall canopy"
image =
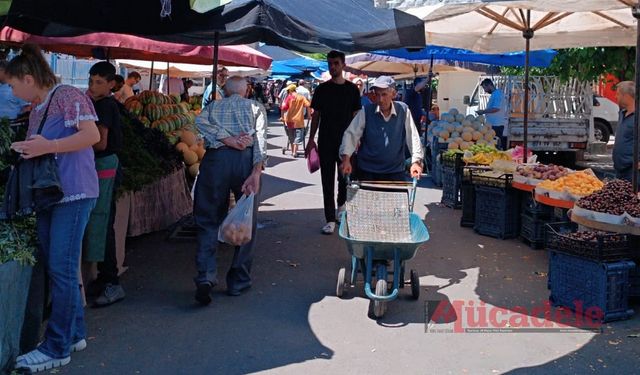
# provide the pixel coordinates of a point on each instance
(277, 53)
(541, 58)
(373, 65)
(497, 26)
(279, 69)
(190, 70)
(313, 26)
(116, 46)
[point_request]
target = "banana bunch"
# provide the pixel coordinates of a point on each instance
(487, 158)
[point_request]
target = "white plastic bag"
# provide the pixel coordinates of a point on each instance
(237, 227)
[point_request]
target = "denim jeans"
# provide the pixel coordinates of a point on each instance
(222, 170)
(60, 232)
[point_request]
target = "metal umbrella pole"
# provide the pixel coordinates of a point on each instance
(636, 13)
(429, 91)
(527, 34)
(168, 80)
(151, 77)
(214, 74)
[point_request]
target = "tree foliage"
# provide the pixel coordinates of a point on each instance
(587, 64)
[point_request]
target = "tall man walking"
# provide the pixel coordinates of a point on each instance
(234, 129)
(334, 102)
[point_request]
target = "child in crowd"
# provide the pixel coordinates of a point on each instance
(99, 239)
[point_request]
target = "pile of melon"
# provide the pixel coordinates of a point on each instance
(192, 150)
(460, 131)
(156, 110)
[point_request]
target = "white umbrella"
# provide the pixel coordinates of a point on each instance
(193, 70)
(373, 64)
(496, 26)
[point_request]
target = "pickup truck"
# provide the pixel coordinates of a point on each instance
(560, 114)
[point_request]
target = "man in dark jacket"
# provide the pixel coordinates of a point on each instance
(623, 147)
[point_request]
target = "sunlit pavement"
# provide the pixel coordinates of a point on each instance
(291, 322)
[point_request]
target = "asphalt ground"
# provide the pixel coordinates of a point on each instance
(291, 322)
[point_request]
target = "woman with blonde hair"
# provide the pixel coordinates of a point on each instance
(67, 121)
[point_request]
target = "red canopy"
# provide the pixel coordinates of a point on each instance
(121, 46)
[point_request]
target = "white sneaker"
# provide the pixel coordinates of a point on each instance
(341, 209)
(37, 361)
(329, 228)
(79, 346)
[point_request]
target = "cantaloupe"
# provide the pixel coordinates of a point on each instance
(453, 146)
(459, 140)
(200, 152)
(477, 135)
(182, 147)
(467, 136)
(459, 128)
(190, 157)
(468, 129)
(188, 137)
(193, 170)
(444, 135)
(454, 111)
(465, 145)
(470, 118)
(455, 134)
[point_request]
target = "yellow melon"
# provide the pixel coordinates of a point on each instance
(188, 137)
(200, 152)
(182, 147)
(193, 170)
(190, 157)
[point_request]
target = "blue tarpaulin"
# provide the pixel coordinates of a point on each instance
(540, 58)
(298, 67)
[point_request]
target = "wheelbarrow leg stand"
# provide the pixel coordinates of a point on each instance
(381, 274)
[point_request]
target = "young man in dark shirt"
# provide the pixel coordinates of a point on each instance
(334, 104)
(99, 240)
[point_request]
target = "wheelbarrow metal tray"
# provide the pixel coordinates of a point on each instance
(385, 250)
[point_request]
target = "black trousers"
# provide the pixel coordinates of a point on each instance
(329, 161)
(108, 268)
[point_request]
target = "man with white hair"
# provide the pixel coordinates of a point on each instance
(384, 130)
(303, 90)
(623, 147)
(234, 131)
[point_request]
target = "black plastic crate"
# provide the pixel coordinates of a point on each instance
(530, 206)
(451, 181)
(452, 161)
(634, 281)
(496, 212)
(608, 247)
(504, 181)
(533, 228)
(468, 198)
(582, 284)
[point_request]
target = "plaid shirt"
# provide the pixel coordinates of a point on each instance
(233, 116)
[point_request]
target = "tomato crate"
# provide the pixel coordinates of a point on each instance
(468, 198)
(533, 228)
(496, 212)
(583, 285)
(451, 181)
(607, 247)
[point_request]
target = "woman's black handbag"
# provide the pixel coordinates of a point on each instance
(34, 184)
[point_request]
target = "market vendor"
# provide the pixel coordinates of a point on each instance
(495, 111)
(384, 130)
(234, 130)
(623, 146)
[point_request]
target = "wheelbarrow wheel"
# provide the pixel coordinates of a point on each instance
(379, 307)
(341, 282)
(415, 285)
